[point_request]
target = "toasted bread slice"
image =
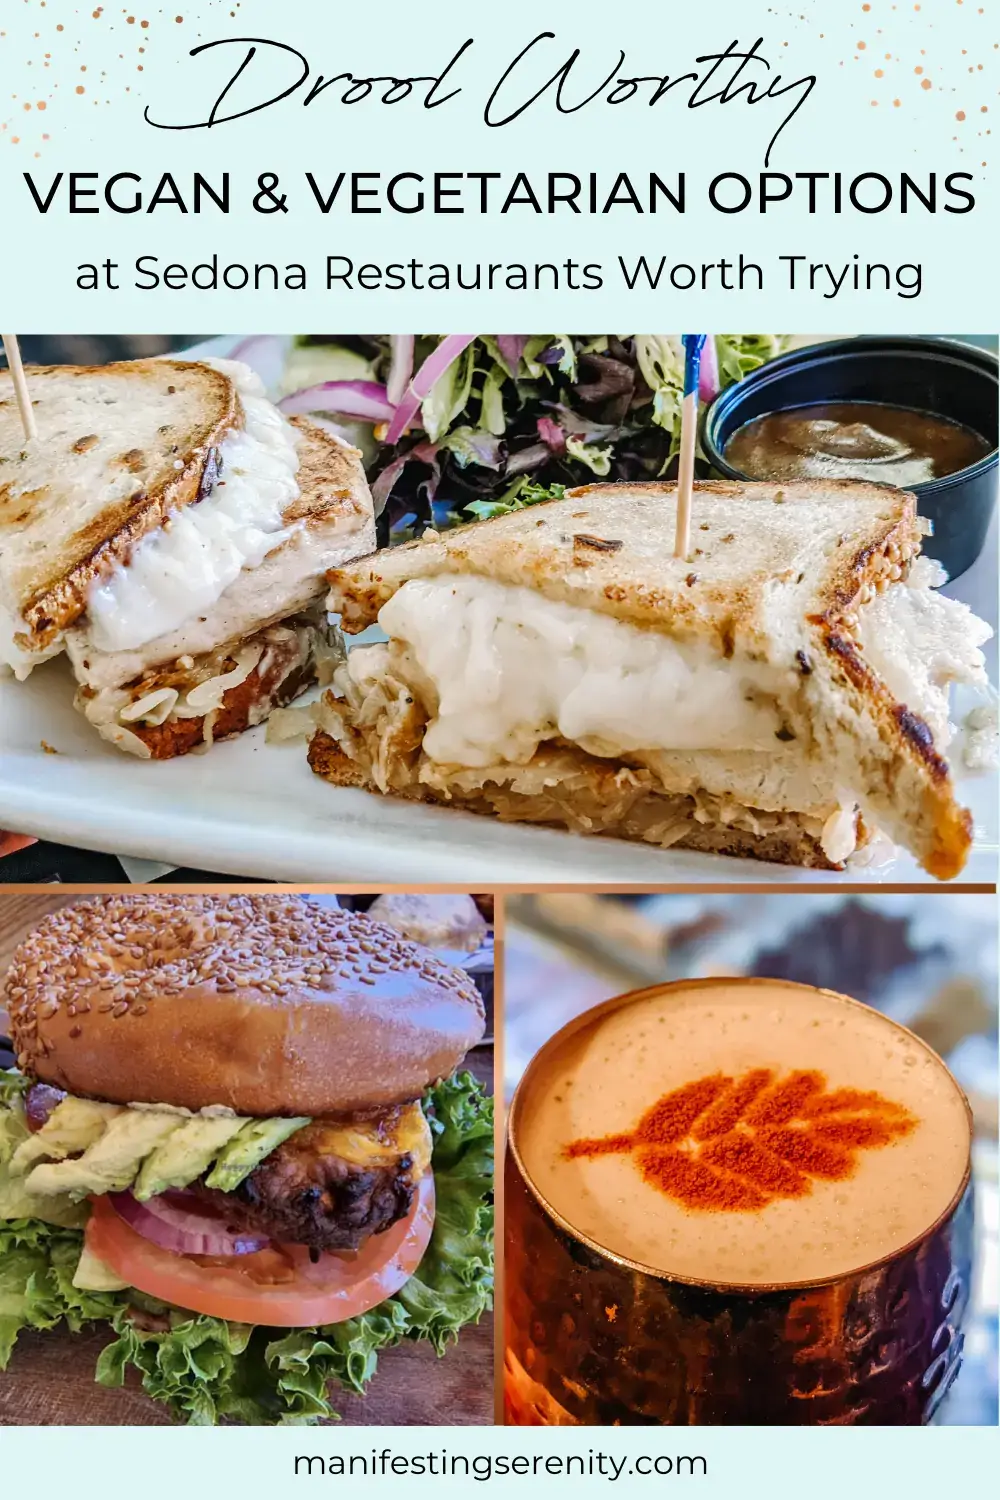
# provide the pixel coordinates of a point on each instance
(610, 548)
(335, 521)
(119, 447)
(776, 574)
(268, 629)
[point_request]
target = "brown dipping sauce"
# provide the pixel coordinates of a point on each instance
(854, 440)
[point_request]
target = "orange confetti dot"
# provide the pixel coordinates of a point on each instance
(879, 73)
(896, 103)
(80, 89)
(866, 7)
(984, 109)
(925, 83)
(41, 104)
(960, 114)
(178, 19)
(918, 69)
(862, 46)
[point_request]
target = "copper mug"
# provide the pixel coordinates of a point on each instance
(594, 1338)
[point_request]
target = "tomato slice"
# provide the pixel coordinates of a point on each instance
(279, 1287)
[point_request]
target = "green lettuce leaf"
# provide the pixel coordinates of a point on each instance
(595, 456)
(208, 1370)
(522, 492)
(739, 354)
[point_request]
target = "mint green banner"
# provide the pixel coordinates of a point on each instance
(314, 165)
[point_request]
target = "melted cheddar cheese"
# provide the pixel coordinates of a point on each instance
(378, 1142)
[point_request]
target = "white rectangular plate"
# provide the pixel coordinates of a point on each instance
(247, 808)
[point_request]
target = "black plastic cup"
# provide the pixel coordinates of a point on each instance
(940, 376)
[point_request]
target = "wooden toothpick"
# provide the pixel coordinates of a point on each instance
(13, 353)
(693, 345)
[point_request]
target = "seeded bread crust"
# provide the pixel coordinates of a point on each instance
(269, 1005)
(100, 474)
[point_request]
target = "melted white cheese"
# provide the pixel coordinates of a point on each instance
(187, 563)
(510, 668)
(919, 642)
(504, 668)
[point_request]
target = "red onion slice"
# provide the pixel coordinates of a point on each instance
(179, 1222)
(265, 353)
(39, 1102)
(708, 374)
(349, 398)
(433, 367)
(401, 367)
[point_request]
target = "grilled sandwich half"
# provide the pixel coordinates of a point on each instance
(170, 530)
(781, 694)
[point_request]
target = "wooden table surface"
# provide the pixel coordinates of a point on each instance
(50, 1378)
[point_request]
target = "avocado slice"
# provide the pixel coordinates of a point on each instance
(73, 1126)
(110, 1165)
(185, 1155)
(247, 1149)
(93, 1275)
(17, 1203)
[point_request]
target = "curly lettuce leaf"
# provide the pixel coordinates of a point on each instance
(208, 1370)
(521, 493)
(739, 354)
(37, 1261)
(595, 456)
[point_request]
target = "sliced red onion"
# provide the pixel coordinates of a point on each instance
(433, 367)
(511, 346)
(180, 1222)
(401, 368)
(350, 398)
(708, 375)
(552, 435)
(265, 353)
(39, 1102)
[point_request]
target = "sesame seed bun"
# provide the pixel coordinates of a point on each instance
(267, 1004)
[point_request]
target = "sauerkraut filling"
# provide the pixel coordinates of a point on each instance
(197, 687)
(381, 728)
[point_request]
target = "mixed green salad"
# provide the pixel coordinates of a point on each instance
(457, 427)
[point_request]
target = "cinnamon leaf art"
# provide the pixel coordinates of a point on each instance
(741, 1143)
